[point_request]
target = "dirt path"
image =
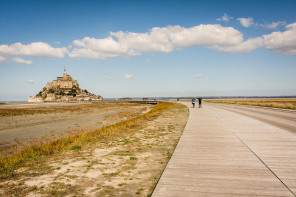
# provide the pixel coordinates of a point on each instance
(129, 165)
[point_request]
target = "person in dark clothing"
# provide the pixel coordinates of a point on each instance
(199, 102)
(193, 102)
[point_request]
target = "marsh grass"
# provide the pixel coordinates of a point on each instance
(23, 143)
(36, 153)
(275, 103)
(60, 109)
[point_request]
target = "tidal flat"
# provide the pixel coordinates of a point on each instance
(26, 124)
(124, 156)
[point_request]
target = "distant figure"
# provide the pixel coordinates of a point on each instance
(199, 102)
(193, 102)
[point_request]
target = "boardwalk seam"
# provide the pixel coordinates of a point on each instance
(262, 161)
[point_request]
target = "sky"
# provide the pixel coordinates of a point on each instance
(163, 48)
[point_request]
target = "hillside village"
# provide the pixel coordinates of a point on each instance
(64, 89)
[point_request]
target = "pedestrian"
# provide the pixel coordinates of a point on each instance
(193, 102)
(199, 102)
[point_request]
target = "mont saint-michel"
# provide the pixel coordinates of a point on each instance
(64, 89)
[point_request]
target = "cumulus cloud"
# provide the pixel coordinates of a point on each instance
(243, 47)
(128, 76)
(21, 60)
(108, 78)
(246, 22)
(282, 42)
(2, 59)
(99, 48)
(198, 75)
(35, 49)
(30, 81)
(158, 39)
(274, 25)
(206, 35)
(224, 18)
(154, 41)
(165, 40)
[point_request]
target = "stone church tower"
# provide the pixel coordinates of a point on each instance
(66, 82)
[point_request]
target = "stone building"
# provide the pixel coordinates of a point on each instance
(65, 82)
(64, 89)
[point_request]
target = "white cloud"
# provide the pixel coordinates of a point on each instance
(226, 39)
(21, 60)
(166, 82)
(243, 47)
(246, 22)
(224, 18)
(205, 35)
(274, 25)
(165, 40)
(35, 49)
(282, 42)
(158, 39)
(154, 41)
(108, 78)
(2, 59)
(128, 76)
(99, 48)
(30, 81)
(198, 75)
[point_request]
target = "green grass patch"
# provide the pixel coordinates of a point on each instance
(75, 147)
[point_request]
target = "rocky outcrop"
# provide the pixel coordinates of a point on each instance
(64, 89)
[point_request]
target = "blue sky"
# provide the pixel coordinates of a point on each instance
(149, 48)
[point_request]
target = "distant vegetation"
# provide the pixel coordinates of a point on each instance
(287, 103)
(46, 110)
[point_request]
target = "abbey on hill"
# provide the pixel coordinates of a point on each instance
(64, 89)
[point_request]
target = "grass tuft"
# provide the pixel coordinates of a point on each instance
(75, 147)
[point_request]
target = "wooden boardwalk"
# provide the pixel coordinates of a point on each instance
(222, 153)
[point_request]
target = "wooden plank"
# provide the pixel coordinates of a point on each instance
(222, 153)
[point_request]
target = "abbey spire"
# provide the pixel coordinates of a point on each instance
(64, 74)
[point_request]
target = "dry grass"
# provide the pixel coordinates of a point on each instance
(130, 111)
(35, 153)
(60, 109)
(275, 103)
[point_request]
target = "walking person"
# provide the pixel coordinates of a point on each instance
(199, 102)
(193, 102)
